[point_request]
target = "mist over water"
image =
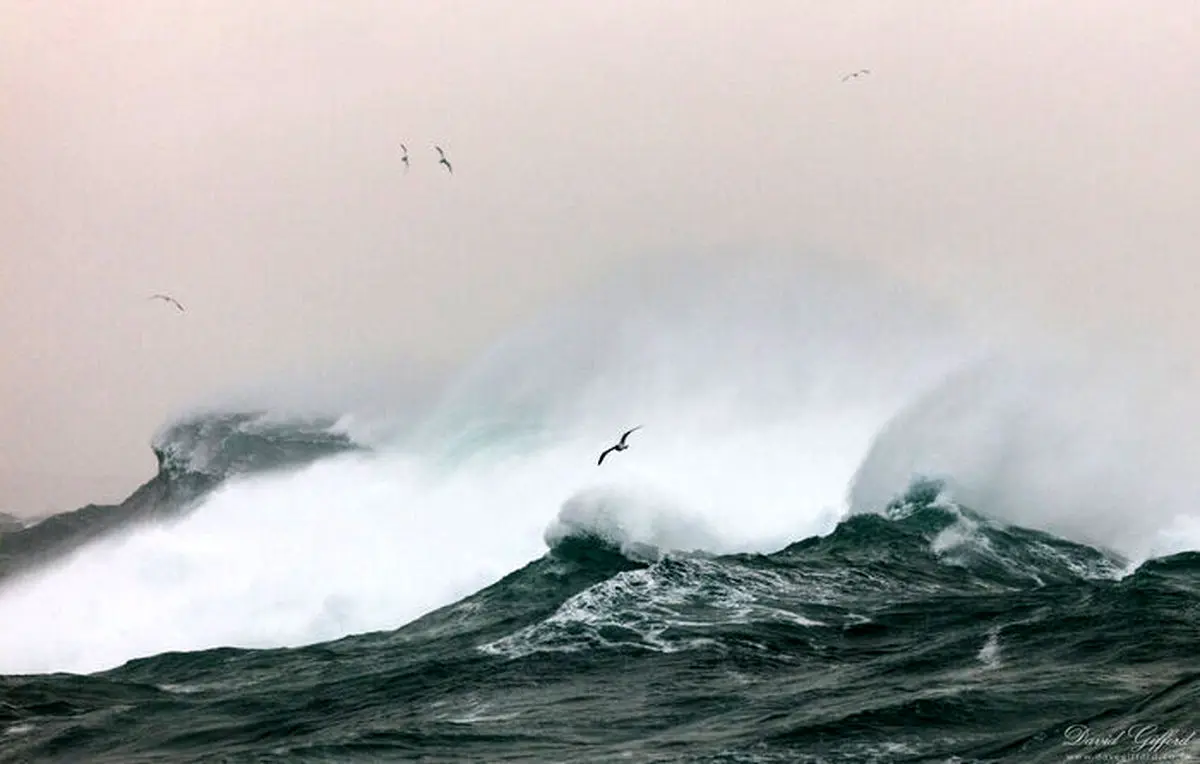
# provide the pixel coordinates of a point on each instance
(1095, 452)
(763, 393)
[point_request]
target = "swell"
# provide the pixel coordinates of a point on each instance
(865, 644)
(763, 394)
(759, 392)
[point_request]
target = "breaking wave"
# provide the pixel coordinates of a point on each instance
(773, 404)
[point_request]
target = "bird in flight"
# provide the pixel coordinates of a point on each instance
(404, 158)
(859, 73)
(621, 445)
(168, 298)
(443, 159)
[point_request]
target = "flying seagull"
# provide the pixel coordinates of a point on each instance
(168, 298)
(621, 446)
(443, 159)
(859, 73)
(404, 158)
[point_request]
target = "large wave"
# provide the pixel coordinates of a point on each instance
(760, 391)
(1099, 454)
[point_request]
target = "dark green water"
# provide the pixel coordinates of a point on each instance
(926, 635)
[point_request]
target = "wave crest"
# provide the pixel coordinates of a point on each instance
(1082, 451)
(637, 522)
(221, 444)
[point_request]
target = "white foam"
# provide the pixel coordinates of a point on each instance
(637, 522)
(989, 654)
(1092, 454)
(1181, 533)
(759, 396)
(354, 544)
(658, 609)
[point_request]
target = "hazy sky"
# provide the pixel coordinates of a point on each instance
(244, 156)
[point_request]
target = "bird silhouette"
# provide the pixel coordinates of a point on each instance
(168, 298)
(404, 158)
(620, 446)
(852, 75)
(443, 159)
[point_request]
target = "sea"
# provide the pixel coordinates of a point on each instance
(848, 530)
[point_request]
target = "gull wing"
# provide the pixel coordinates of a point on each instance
(605, 453)
(168, 298)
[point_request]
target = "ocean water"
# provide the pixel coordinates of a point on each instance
(848, 531)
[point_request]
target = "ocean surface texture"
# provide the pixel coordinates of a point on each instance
(838, 548)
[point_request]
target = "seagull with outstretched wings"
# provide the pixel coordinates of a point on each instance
(620, 446)
(444, 160)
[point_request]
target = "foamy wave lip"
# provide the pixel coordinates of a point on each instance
(637, 521)
(1181, 535)
(219, 444)
(368, 432)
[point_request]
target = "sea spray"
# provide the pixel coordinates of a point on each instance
(759, 391)
(1095, 453)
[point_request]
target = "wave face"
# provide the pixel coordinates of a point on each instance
(195, 454)
(924, 633)
(759, 393)
(844, 531)
(221, 445)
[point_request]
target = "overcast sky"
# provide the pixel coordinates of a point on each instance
(244, 157)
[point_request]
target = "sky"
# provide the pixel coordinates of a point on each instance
(1037, 159)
